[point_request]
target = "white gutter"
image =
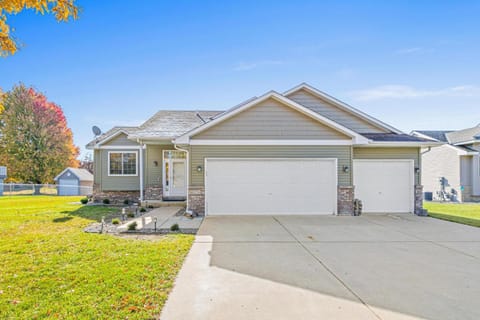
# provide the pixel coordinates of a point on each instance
(188, 173)
(142, 146)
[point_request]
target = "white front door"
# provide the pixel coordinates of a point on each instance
(174, 174)
(270, 186)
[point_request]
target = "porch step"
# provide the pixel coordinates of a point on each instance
(162, 203)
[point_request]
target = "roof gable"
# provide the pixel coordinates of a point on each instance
(284, 101)
(341, 112)
(465, 136)
(81, 174)
(271, 120)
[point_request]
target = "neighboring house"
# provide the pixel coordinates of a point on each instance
(300, 152)
(452, 171)
(74, 182)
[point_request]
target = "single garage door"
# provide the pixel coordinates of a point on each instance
(68, 187)
(384, 185)
(270, 186)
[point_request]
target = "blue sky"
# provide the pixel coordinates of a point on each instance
(412, 64)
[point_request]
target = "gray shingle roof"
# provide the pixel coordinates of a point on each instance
(464, 135)
(82, 174)
(439, 135)
(128, 130)
(394, 137)
(173, 123)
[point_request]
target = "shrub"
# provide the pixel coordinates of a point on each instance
(130, 214)
(84, 200)
(132, 226)
(150, 206)
(115, 221)
(126, 201)
(106, 201)
(142, 209)
(175, 227)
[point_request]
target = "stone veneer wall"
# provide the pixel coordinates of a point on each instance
(115, 197)
(196, 200)
(154, 192)
(419, 200)
(345, 199)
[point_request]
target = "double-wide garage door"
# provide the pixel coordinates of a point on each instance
(270, 186)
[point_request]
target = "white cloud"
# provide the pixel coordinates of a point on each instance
(414, 51)
(408, 92)
(245, 66)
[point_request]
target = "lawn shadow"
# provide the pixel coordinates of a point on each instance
(95, 213)
(62, 219)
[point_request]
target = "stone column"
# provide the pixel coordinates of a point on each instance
(419, 201)
(345, 199)
(196, 200)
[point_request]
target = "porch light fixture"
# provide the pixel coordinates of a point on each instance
(155, 163)
(199, 169)
(346, 169)
(417, 170)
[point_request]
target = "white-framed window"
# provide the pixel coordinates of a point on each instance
(122, 163)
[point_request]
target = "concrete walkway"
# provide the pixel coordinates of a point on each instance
(166, 217)
(304, 267)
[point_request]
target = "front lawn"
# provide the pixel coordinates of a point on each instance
(466, 213)
(50, 268)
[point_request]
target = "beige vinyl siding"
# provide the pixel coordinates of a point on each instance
(199, 153)
(115, 183)
(466, 172)
(120, 140)
(442, 161)
(270, 120)
(390, 153)
(334, 113)
(154, 174)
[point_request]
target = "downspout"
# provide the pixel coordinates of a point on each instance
(428, 150)
(141, 168)
(188, 174)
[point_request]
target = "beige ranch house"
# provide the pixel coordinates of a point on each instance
(301, 152)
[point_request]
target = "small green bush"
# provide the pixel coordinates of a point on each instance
(130, 214)
(150, 206)
(84, 200)
(126, 201)
(106, 201)
(132, 226)
(175, 227)
(142, 209)
(115, 221)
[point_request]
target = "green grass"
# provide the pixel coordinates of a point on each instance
(466, 213)
(50, 268)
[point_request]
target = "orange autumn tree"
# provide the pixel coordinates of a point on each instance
(63, 10)
(35, 141)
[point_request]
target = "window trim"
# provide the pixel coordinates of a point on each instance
(122, 152)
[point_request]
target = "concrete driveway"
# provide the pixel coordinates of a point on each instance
(306, 267)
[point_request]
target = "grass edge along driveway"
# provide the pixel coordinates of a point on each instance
(465, 213)
(50, 268)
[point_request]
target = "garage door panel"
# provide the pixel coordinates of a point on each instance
(270, 186)
(384, 185)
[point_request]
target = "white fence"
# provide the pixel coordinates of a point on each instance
(21, 189)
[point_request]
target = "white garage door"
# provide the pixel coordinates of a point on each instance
(270, 186)
(384, 185)
(68, 187)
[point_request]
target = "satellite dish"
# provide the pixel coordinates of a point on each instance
(96, 131)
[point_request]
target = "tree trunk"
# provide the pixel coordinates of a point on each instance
(36, 189)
